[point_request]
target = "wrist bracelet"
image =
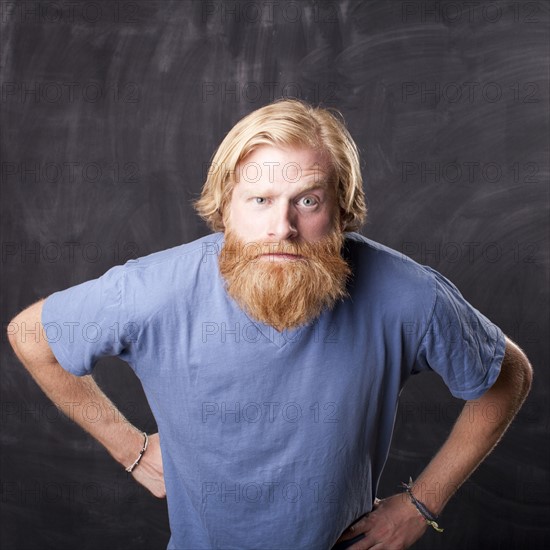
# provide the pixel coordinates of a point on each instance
(145, 443)
(429, 518)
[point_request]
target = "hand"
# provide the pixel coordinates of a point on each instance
(149, 471)
(393, 524)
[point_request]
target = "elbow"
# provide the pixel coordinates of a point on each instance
(24, 331)
(13, 329)
(527, 376)
(519, 368)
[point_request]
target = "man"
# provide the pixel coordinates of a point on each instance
(273, 351)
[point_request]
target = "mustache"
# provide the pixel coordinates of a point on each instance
(250, 251)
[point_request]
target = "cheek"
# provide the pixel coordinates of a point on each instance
(318, 227)
(326, 222)
(241, 222)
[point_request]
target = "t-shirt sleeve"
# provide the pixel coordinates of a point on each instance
(460, 343)
(88, 321)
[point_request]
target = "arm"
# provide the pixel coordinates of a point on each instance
(394, 522)
(69, 393)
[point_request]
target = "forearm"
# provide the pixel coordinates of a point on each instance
(81, 399)
(478, 429)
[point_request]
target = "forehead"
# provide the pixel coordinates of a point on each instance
(270, 164)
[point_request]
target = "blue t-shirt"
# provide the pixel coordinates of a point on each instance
(269, 439)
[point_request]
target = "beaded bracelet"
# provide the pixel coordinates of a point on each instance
(145, 443)
(421, 507)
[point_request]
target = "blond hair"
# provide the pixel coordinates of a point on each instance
(286, 123)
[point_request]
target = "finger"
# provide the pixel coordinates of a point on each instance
(354, 530)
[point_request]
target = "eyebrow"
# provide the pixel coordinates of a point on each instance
(323, 185)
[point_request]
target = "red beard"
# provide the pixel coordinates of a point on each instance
(289, 293)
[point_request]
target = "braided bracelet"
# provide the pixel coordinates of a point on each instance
(145, 443)
(431, 519)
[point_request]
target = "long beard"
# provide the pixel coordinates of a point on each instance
(285, 294)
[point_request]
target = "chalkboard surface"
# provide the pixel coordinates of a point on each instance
(110, 113)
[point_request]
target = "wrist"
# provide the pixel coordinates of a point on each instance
(430, 495)
(128, 447)
(427, 514)
(130, 468)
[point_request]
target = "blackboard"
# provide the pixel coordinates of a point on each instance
(110, 113)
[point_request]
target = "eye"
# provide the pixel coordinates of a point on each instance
(259, 200)
(309, 202)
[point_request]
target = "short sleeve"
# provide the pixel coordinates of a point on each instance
(460, 343)
(88, 321)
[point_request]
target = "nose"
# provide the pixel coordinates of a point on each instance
(282, 223)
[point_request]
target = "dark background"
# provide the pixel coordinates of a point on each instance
(111, 111)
